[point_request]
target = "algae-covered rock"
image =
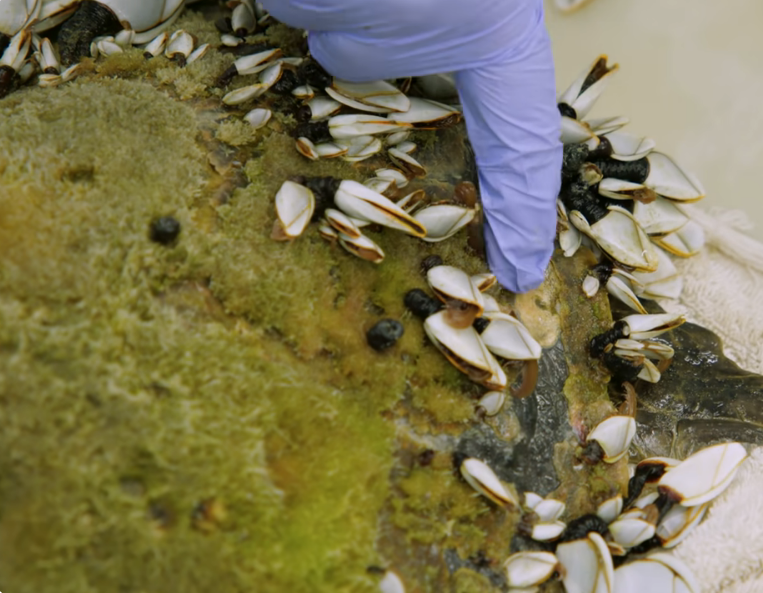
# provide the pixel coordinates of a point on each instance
(206, 414)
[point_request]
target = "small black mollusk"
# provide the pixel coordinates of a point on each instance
(384, 334)
(421, 304)
(164, 230)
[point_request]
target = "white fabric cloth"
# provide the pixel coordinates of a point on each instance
(723, 291)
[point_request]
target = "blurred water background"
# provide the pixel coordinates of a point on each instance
(691, 78)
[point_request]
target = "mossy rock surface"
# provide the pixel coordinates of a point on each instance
(207, 415)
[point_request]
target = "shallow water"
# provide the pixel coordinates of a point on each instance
(689, 78)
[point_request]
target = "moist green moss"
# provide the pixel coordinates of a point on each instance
(129, 392)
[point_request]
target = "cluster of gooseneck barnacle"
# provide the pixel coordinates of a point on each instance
(625, 201)
(620, 198)
(87, 28)
(620, 548)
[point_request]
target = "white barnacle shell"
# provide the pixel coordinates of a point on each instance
(329, 150)
(621, 237)
(666, 463)
(229, 40)
(642, 327)
(393, 175)
(125, 38)
(244, 94)
(442, 221)
(258, 118)
(156, 46)
(492, 402)
(506, 337)
(466, 351)
(650, 348)
(659, 217)
(703, 475)
(425, 111)
(684, 242)
(532, 500)
(198, 53)
(407, 163)
(570, 238)
(49, 80)
(491, 305)
(322, 107)
(306, 148)
(606, 125)
(17, 50)
(411, 201)
(342, 223)
(669, 180)
(108, 47)
(28, 70)
(618, 189)
(484, 281)
(359, 148)
(242, 19)
(254, 63)
(631, 531)
(644, 501)
(326, 231)
(619, 289)
(358, 201)
(549, 509)
(406, 146)
(575, 132)
(294, 207)
(529, 569)
(587, 565)
(381, 186)
(629, 147)
(610, 508)
(582, 102)
(360, 124)
(547, 531)
(482, 478)
(391, 583)
(377, 93)
(48, 61)
(181, 43)
(665, 282)
(614, 435)
(362, 247)
(452, 284)
(590, 286)
(657, 572)
(270, 75)
(678, 523)
(397, 137)
(352, 103)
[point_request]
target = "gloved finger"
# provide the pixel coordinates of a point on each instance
(514, 125)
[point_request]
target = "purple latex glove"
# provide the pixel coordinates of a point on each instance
(501, 54)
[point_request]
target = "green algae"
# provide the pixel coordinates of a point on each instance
(120, 365)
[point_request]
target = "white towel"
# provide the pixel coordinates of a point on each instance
(723, 291)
